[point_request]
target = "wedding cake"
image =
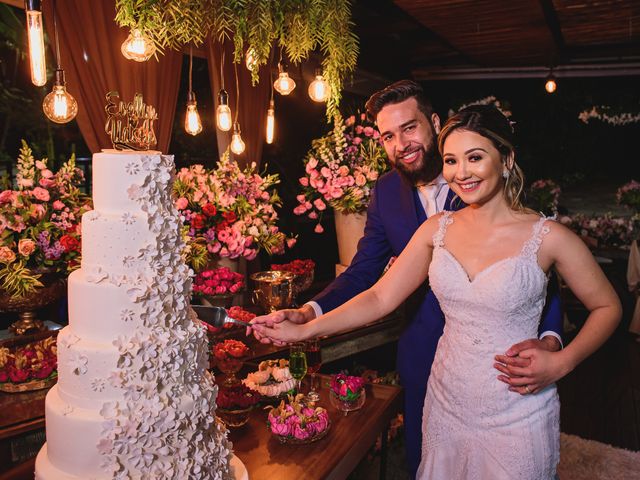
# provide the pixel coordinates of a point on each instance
(134, 399)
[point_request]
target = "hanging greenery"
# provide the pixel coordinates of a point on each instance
(298, 27)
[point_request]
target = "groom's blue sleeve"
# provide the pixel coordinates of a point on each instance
(552, 318)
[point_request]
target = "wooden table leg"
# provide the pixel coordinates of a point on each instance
(383, 453)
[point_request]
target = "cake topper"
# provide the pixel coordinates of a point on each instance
(130, 125)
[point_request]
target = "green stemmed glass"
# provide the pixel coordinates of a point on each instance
(297, 363)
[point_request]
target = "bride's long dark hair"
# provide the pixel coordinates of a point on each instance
(488, 121)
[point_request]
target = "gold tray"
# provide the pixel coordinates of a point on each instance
(29, 386)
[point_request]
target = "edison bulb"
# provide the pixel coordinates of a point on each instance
(59, 105)
(271, 122)
(192, 122)
(550, 85)
(137, 47)
(237, 144)
(35, 37)
(319, 89)
(284, 84)
(223, 112)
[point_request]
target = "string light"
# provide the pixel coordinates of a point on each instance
(35, 35)
(284, 84)
(237, 144)
(137, 46)
(271, 122)
(319, 88)
(550, 83)
(59, 105)
(223, 112)
(192, 122)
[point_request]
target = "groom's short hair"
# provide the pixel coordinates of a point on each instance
(395, 93)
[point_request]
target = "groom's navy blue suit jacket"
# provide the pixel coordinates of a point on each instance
(394, 214)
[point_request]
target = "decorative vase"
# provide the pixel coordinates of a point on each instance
(349, 231)
(347, 406)
(55, 287)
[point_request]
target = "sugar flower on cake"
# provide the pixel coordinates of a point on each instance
(40, 223)
(78, 363)
(228, 211)
(341, 169)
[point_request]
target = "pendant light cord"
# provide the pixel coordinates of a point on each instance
(235, 68)
(190, 65)
(55, 32)
(222, 66)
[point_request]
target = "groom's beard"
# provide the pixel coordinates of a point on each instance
(423, 170)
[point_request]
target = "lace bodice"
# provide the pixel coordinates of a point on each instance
(466, 403)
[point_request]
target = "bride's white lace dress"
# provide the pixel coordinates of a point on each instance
(473, 426)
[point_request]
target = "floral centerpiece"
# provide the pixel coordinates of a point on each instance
(347, 392)
(230, 356)
(235, 404)
(341, 169)
(628, 195)
(543, 196)
(296, 422)
(604, 230)
(34, 363)
(228, 212)
(303, 270)
(272, 379)
(39, 224)
(218, 281)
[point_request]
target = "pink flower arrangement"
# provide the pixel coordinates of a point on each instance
(295, 420)
(544, 195)
(218, 281)
(629, 195)
(604, 230)
(347, 388)
(341, 169)
(40, 223)
(228, 212)
(35, 361)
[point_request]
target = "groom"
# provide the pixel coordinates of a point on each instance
(402, 199)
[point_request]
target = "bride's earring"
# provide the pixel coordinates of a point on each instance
(505, 174)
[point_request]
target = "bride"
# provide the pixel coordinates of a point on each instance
(487, 265)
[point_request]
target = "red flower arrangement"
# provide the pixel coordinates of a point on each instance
(218, 281)
(35, 361)
(347, 388)
(299, 267)
(237, 397)
(230, 349)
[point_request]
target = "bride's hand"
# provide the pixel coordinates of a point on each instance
(282, 332)
(542, 369)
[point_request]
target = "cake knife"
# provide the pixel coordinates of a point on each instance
(216, 316)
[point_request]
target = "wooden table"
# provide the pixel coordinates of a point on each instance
(333, 457)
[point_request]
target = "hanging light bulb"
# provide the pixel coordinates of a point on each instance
(223, 112)
(271, 121)
(137, 46)
(237, 145)
(550, 83)
(59, 105)
(192, 122)
(283, 84)
(250, 59)
(319, 88)
(35, 35)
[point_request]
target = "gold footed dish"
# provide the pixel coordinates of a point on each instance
(29, 386)
(234, 418)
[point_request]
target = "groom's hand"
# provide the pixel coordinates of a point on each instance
(525, 366)
(300, 315)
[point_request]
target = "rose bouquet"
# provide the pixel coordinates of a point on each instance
(543, 196)
(40, 223)
(341, 169)
(228, 212)
(295, 422)
(303, 270)
(235, 404)
(35, 361)
(218, 281)
(347, 392)
(629, 195)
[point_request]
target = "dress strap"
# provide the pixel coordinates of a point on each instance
(444, 221)
(531, 246)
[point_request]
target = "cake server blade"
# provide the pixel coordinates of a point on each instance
(216, 316)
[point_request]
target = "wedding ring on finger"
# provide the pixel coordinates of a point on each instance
(526, 387)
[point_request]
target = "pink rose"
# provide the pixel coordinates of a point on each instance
(282, 429)
(313, 215)
(304, 181)
(46, 182)
(301, 433)
(343, 171)
(38, 210)
(26, 247)
(319, 204)
(58, 205)
(318, 228)
(326, 173)
(368, 131)
(360, 180)
(41, 194)
(182, 203)
(357, 141)
(5, 196)
(359, 129)
(299, 210)
(301, 198)
(7, 255)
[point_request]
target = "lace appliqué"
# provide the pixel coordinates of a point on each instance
(444, 221)
(540, 229)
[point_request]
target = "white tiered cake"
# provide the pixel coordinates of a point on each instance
(134, 399)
